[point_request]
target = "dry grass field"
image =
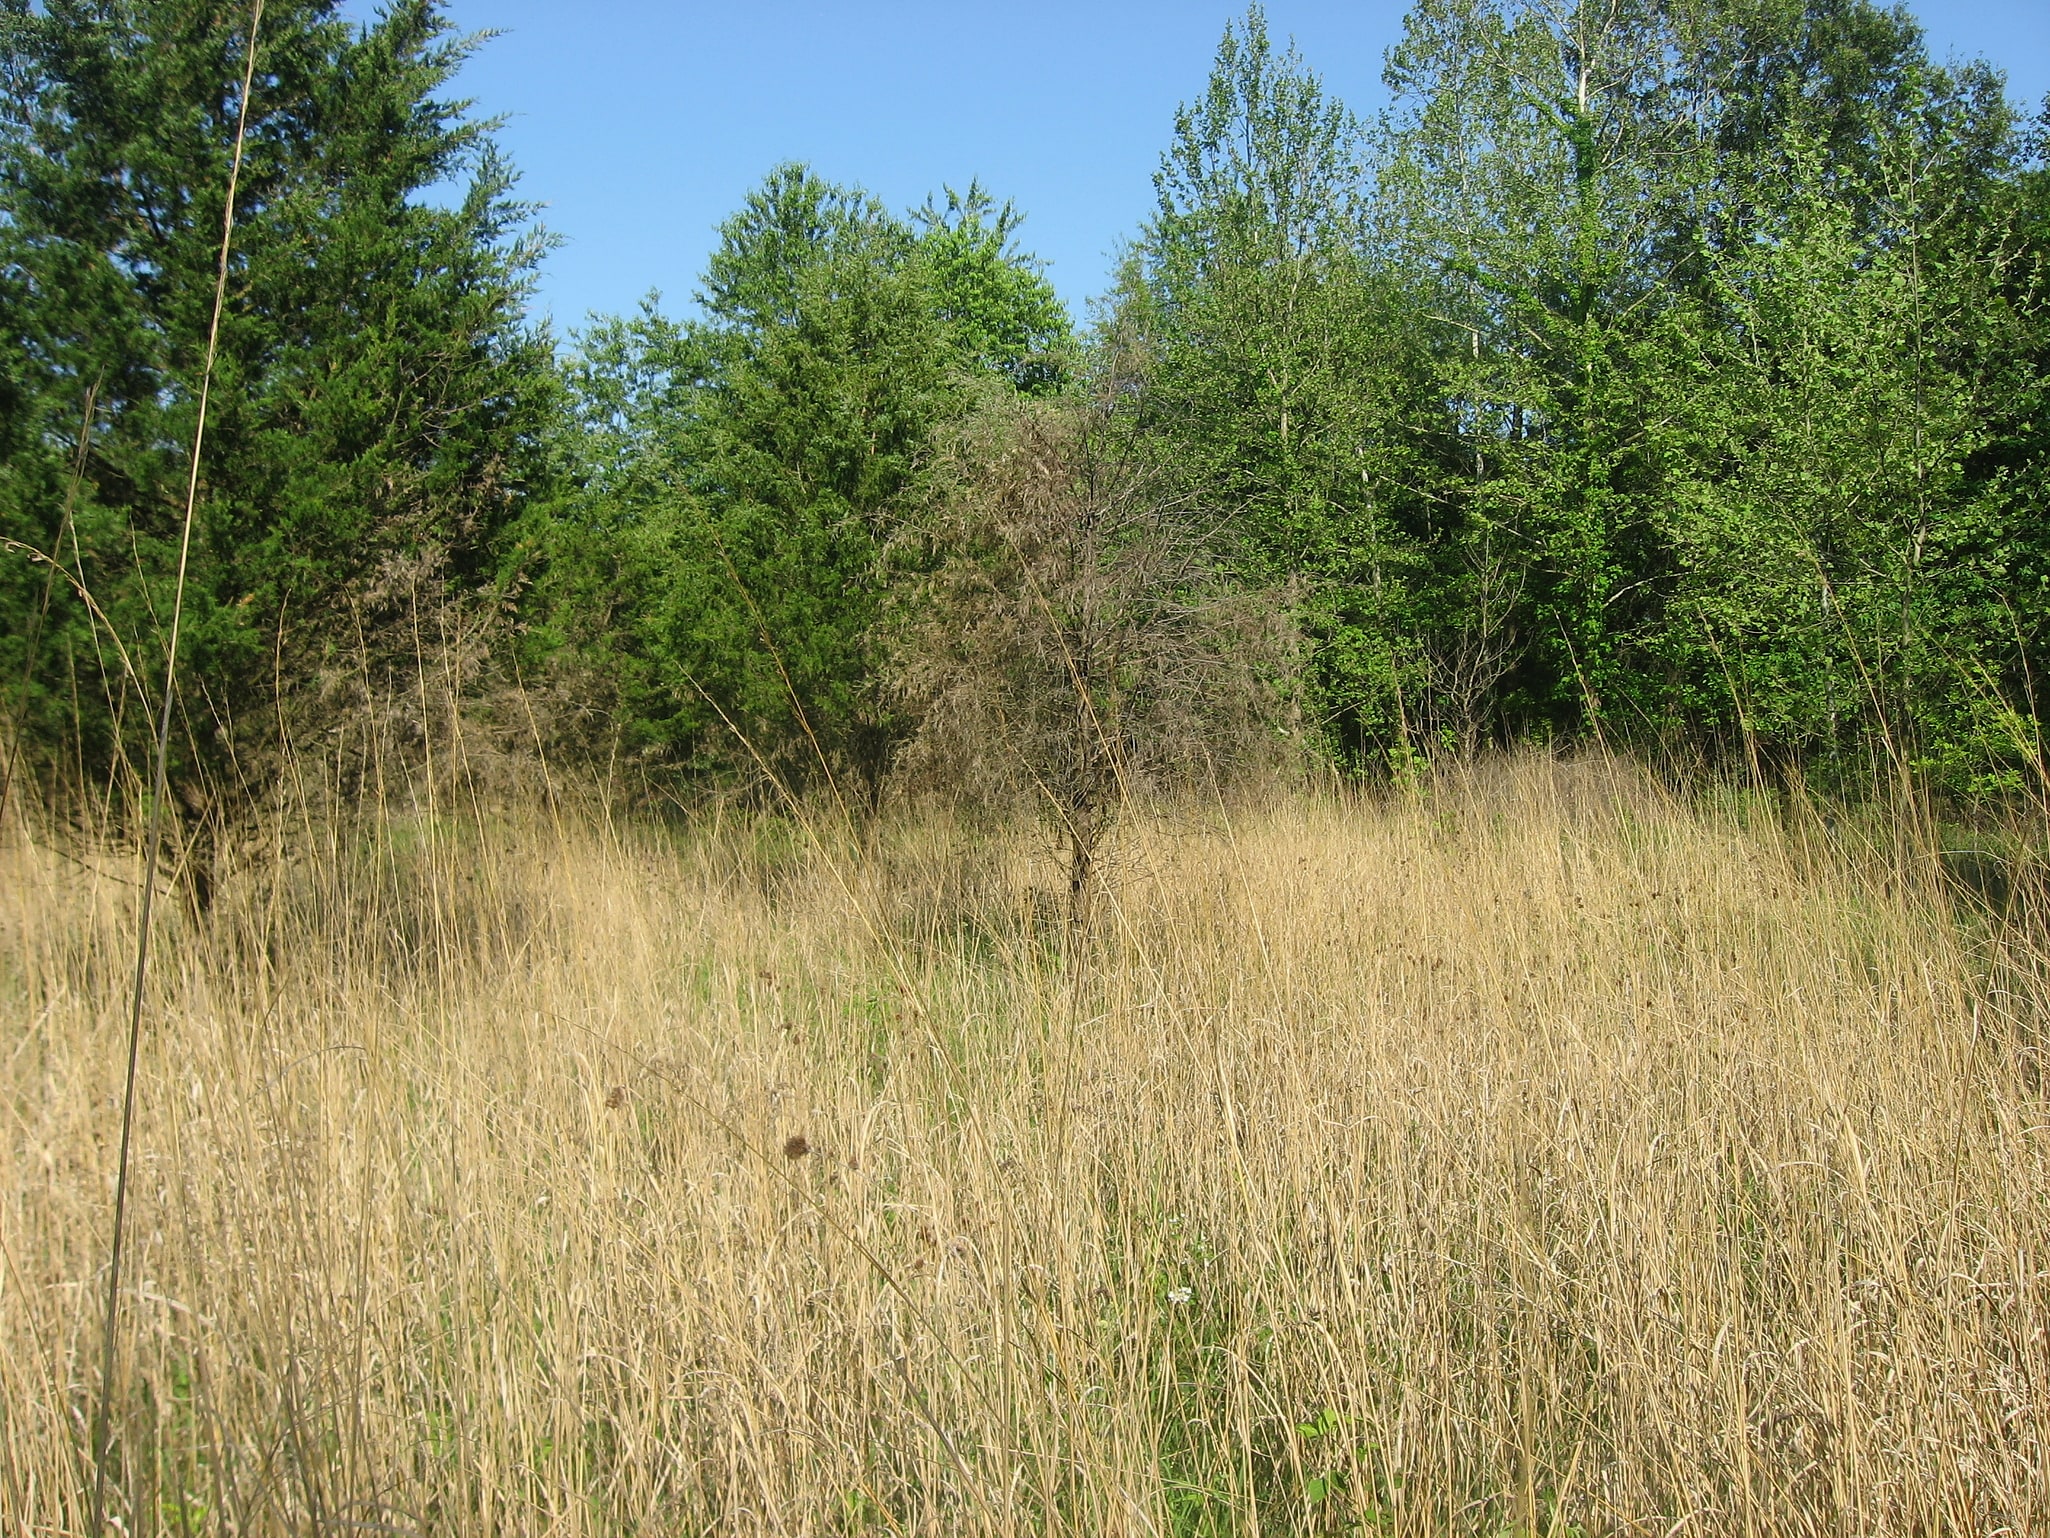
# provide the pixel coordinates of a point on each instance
(1536, 1155)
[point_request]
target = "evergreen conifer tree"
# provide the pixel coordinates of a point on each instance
(379, 402)
(747, 472)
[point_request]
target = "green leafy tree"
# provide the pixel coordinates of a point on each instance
(1534, 166)
(1510, 393)
(996, 309)
(1266, 344)
(1572, 194)
(1858, 574)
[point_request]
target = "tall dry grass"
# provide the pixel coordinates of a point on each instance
(1535, 1155)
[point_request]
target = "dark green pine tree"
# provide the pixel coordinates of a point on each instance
(379, 402)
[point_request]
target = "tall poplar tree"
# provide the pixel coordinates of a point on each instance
(1263, 340)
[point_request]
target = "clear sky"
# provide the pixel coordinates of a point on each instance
(641, 124)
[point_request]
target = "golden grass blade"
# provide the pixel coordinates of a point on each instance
(153, 833)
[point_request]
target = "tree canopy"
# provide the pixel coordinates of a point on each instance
(1672, 374)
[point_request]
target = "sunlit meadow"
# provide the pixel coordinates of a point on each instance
(1535, 1153)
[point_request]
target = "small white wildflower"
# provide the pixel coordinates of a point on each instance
(1179, 1295)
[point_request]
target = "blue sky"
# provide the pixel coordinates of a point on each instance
(640, 125)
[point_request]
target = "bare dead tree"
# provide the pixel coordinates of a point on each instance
(1464, 666)
(1080, 635)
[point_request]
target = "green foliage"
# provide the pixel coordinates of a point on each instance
(378, 403)
(745, 471)
(1671, 372)
(998, 314)
(1286, 369)
(1837, 566)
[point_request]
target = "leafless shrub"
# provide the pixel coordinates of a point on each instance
(1465, 665)
(1080, 637)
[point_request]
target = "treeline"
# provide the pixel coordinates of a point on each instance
(1668, 373)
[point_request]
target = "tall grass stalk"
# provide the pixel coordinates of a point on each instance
(159, 789)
